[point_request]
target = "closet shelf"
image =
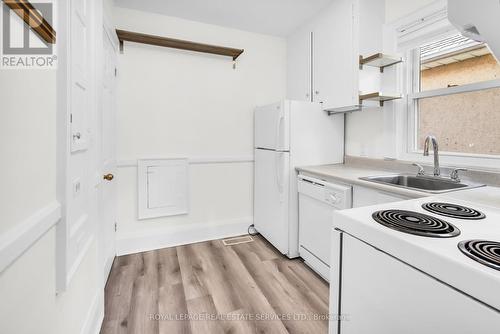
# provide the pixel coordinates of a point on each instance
(379, 60)
(379, 97)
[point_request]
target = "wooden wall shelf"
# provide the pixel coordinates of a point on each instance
(176, 44)
(32, 17)
(379, 97)
(379, 60)
(344, 110)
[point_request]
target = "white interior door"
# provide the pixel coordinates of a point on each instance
(76, 158)
(108, 158)
(271, 197)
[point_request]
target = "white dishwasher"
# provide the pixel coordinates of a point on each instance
(317, 201)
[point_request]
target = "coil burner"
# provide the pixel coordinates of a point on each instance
(483, 251)
(416, 223)
(453, 211)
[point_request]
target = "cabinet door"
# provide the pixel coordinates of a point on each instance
(367, 196)
(299, 65)
(334, 56)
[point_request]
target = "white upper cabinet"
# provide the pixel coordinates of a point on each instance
(330, 53)
(334, 58)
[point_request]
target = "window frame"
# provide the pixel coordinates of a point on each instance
(410, 151)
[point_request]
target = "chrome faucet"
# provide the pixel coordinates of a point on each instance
(428, 141)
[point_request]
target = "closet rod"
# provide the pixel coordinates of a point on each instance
(176, 44)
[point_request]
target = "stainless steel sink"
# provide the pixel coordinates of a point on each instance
(434, 185)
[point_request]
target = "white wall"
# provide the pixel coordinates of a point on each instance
(27, 129)
(28, 302)
(366, 131)
(174, 103)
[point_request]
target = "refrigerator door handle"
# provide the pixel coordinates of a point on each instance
(278, 130)
(279, 179)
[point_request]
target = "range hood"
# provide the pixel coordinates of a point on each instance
(477, 20)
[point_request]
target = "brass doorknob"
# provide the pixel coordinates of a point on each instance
(109, 177)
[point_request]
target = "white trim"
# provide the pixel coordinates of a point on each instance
(194, 160)
(452, 160)
(472, 87)
(20, 238)
(463, 155)
(95, 315)
(181, 235)
(405, 140)
(409, 149)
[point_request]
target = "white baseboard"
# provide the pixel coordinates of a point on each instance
(182, 235)
(95, 315)
(21, 237)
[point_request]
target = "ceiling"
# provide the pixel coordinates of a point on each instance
(273, 17)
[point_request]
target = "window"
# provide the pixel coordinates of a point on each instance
(455, 96)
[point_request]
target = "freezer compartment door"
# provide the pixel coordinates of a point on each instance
(272, 127)
(271, 197)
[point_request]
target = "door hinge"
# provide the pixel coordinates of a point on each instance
(71, 118)
(116, 227)
(116, 71)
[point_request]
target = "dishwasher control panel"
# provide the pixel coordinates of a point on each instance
(336, 195)
(333, 198)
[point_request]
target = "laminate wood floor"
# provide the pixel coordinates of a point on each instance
(211, 288)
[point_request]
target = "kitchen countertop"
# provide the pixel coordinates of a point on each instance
(350, 175)
(485, 196)
(489, 196)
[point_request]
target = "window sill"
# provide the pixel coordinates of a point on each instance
(488, 163)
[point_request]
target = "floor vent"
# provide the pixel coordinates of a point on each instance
(237, 240)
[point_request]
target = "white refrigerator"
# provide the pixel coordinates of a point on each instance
(289, 134)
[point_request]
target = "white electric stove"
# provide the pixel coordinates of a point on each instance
(430, 265)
